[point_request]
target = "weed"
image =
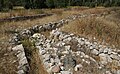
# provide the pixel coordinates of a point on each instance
(32, 54)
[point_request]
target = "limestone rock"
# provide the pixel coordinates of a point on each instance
(113, 56)
(77, 67)
(69, 62)
(56, 69)
(118, 72)
(66, 72)
(18, 48)
(95, 52)
(104, 58)
(21, 72)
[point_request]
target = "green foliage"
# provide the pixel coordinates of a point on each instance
(5, 5)
(89, 3)
(1, 5)
(59, 3)
(50, 3)
(27, 4)
(33, 4)
(92, 4)
(36, 4)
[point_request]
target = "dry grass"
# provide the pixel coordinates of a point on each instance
(24, 12)
(8, 62)
(7, 29)
(101, 28)
(32, 54)
(20, 12)
(113, 65)
(96, 10)
(6, 32)
(104, 29)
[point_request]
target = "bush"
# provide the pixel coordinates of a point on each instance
(5, 5)
(92, 4)
(34, 4)
(50, 3)
(38, 4)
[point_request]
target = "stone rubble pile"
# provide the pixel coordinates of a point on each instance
(64, 53)
(23, 63)
(26, 33)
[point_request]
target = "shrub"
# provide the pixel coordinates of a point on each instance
(50, 3)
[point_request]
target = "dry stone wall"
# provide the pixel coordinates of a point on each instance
(64, 53)
(18, 18)
(23, 63)
(26, 33)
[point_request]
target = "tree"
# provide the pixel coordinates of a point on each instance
(40, 3)
(5, 5)
(50, 3)
(1, 5)
(27, 4)
(59, 3)
(33, 4)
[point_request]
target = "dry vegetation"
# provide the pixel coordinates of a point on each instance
(20, 12)
(35, 63)
(24, 12)
(102, 28)
(7, 29)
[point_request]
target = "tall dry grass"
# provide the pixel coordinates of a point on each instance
(20, 12)
(33, 57)
(100, 28)
(8, 64)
